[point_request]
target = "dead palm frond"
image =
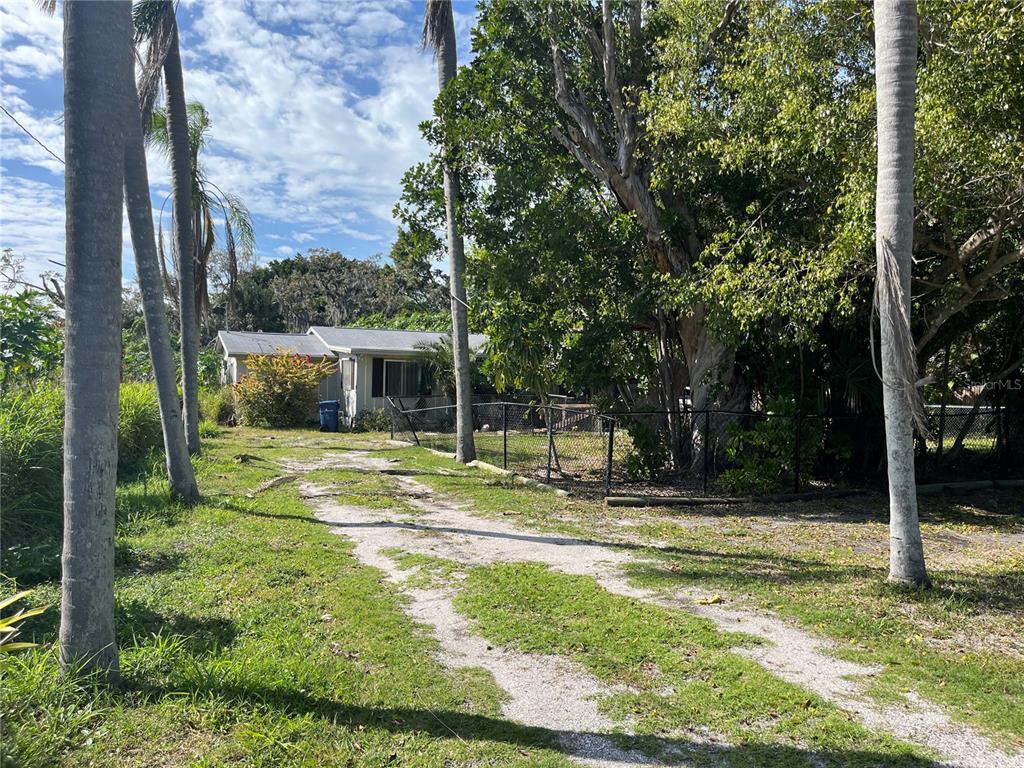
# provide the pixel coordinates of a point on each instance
(437, 19)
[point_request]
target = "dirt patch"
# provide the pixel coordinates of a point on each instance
(543, 691)
(445, 529)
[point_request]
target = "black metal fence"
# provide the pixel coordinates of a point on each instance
(708, 451)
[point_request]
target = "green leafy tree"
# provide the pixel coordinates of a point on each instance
(31, 337)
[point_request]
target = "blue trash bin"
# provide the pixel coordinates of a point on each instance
(329, 410)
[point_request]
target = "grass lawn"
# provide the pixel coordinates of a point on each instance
(251, 636)
(823, 565)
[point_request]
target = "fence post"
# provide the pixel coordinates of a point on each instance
(796, 443)
(504, 434)
(707, 446)
(611, 452)
(551, 439)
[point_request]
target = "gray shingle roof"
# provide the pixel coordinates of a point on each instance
(248, 343)
(383, 340)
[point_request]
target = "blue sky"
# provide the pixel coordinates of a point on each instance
(314, 108)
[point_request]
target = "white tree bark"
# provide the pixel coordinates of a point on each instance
(97, 72)
(896, 53)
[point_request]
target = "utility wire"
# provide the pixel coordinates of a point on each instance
(32, 136)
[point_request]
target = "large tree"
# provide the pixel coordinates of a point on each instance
(439, 36)
(895, 69)
(97, 76)
(147, 268)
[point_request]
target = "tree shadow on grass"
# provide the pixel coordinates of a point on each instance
(581, 744)
(200, 634)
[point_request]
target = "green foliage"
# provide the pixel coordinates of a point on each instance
(439, 321)
(326, 288)
(649, 449)
(31, 337)
(217, 405)
(766, 452)
(32, 452)
(9, 625)
(279, 390)
(139, 432)
(377, 420)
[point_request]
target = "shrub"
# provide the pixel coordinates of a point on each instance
(32, 452)
(279, 390)
(31, 458)
(372, 421)
(649, 452)
(766, 453)
(217, 405)
(139, 433)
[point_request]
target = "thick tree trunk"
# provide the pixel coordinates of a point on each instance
(895, 54)
(147, 268)
(465, 448)
(97, 72)
(710, 365)
(181, 183)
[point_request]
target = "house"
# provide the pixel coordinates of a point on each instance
(373, 363)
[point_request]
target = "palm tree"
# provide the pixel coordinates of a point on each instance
(147, 267)
(439, 36)
(209, 203)
(895, 57)
(97, 74)
(156, 24)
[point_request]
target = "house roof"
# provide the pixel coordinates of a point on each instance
(238, 343)
(382, 340)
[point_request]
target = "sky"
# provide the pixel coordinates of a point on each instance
(314, 105)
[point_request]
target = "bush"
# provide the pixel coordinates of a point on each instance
(649, 452)
(765, 453)
(31, 458)
(139, 433)
(32, 452)
(217, 405)
(372, 421)
(279, 390)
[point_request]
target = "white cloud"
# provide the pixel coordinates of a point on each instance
(291, 133)
(283, 250)
(31, 40)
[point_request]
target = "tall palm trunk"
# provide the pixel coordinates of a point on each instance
(147, 268)
(896, 53)
(97, 70)
(439, 34)
(181, 183)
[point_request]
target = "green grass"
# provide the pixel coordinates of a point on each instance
(250, 637)
(958, 644)
(677, 670)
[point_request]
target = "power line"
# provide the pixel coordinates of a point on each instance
(32, 136)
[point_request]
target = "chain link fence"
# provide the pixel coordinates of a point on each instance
(709, 452)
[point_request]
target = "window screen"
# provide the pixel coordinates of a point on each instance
(348, 374)
(402, 379)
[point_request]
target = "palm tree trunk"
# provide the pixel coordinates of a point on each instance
(465, 448)
(147, 268)
(97, 72)
(181, 183)
(896, 52)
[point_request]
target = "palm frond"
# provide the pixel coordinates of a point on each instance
(157, 134)
(49, 7)
(154, 28)
(437, 18)
(150, 18)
